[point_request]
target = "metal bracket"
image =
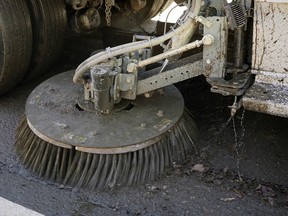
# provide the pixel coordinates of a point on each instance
(170, 77)
(215, 55)
(204, 21)
(125, 86)
(236, 86)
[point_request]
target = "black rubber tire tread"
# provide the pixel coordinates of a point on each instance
(15, 43)
(49, 22)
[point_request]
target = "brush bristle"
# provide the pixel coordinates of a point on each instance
(100, 171)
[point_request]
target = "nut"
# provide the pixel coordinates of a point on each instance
(147, 95)
(208, 39)
(131, 67)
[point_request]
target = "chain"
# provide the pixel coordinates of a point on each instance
(108, 13)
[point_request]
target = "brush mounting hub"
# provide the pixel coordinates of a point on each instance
(52, 114)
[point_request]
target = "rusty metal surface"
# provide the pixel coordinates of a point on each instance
(51, 110)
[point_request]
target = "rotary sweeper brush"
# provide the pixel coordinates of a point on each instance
(125, 125)
(116, 128)
(133, 144)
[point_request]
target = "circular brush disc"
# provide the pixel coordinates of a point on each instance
(58, 140)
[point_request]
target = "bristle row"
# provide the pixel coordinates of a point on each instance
(81, 169)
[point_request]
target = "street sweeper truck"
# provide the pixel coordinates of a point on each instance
(115, 120)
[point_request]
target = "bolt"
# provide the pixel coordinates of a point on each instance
(131, 67)
(160, 113)
(62, 126)
(147, 95)
(208, 39)
(208, 61)
(128, 80)
(133, 54)
(51, 89)
(94, 133)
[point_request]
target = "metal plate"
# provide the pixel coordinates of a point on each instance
(270, 47)
(52, 115)
(267, 98)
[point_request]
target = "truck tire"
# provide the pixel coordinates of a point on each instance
(49, 24)
(131, 20)
(155, 7)
(15, 42)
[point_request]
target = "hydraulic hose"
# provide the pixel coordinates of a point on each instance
(206, 40)
(130, 47)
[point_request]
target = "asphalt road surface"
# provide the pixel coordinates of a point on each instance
(240, 168)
